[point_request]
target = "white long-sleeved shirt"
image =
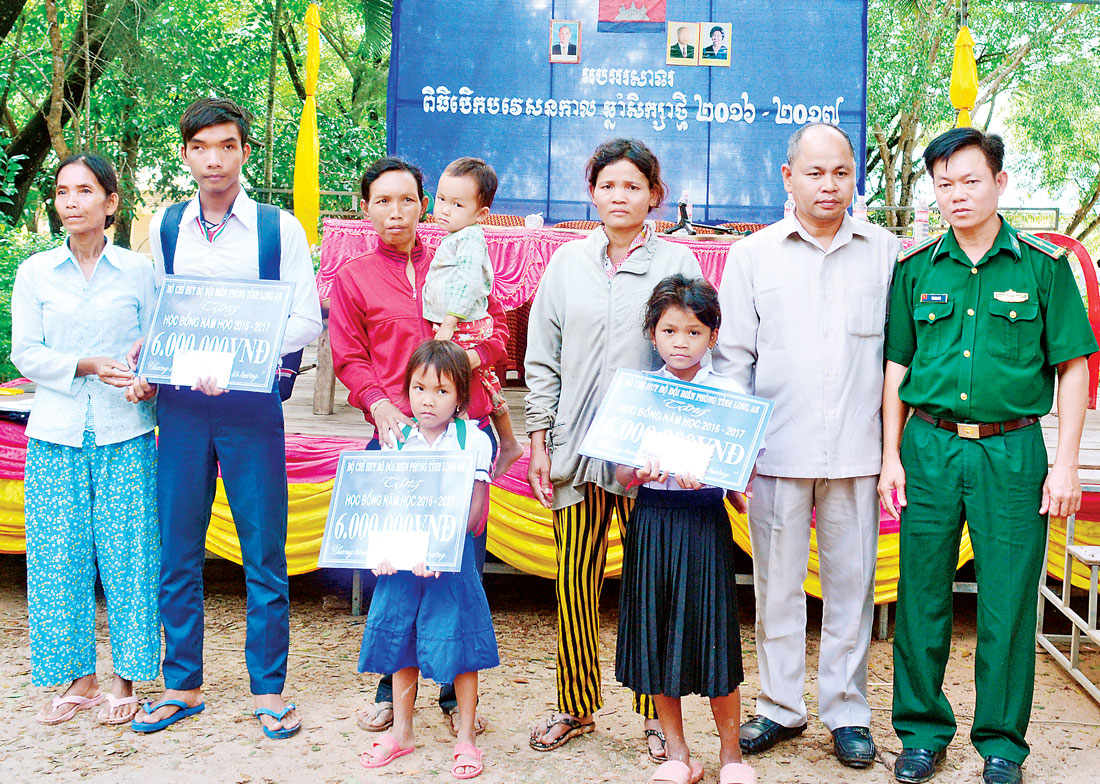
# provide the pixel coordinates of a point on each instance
(59, 317)
(234, 253)
(803, 326)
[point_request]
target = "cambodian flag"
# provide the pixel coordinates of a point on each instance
(631, 16)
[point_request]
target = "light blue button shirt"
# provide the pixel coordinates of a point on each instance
(58, 317)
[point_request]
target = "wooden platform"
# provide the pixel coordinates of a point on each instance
(1089, 456)
(348, 422)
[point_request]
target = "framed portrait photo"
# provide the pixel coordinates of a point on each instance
(565, 40)
(683, 43)
(716, 43)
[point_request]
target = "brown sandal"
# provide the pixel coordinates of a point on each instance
(371, 719)
(480, 724)
(576, 727)
(664, 745)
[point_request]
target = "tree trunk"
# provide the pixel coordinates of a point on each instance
(1089, 229)
(5, 115)
(1086, 206)
(9, 13)
(269, 130)
(57, 83)
(291, 66)
(128, 192)
(111, 34)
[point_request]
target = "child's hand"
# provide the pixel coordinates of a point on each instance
(444, 334)
(420, 570)
(384, 568)
(651, 472)
(688, 481)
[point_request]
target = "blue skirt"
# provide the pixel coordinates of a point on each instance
(440, 625)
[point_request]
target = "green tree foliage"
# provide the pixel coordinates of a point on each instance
(1057, 119)
(910, 53)
(187, 49)
(15, 246)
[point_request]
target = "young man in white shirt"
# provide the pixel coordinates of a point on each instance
(203, 427)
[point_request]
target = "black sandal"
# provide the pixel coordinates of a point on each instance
(664, 745)
(576, 727)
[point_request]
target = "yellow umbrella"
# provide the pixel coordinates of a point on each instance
(964, 77)
(307, 184)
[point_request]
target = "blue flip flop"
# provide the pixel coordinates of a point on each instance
(279, 734)
(184, 711)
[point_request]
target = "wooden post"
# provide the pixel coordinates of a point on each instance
(324, 389)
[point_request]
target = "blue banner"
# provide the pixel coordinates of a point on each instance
(534, 87)
(710, 433)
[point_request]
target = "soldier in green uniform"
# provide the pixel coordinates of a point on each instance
(980, 321)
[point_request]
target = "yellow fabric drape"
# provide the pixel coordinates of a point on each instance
(521, 533)
(12, 522)
(307, 183)
(964, 77)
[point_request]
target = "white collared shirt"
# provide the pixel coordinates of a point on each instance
(804, 327)
(476, 442)
(235, 254)
(60, 317)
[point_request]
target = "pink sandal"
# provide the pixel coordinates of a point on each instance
(676, 772)
(736, 773)
(78, 703)
(104, 716)
(387, 745)
(470, 752)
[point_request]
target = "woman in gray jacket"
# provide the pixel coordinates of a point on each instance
(586, 321)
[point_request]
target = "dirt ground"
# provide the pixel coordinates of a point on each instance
(224, 744)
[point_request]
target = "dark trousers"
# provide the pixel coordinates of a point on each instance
(995, 485)
(242, 432)
(447, 699)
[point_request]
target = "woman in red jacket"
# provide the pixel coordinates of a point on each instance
(375, 323)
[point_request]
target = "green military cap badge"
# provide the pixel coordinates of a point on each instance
(1044, 246)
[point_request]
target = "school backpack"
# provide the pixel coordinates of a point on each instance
(460, 431)
(270, 248)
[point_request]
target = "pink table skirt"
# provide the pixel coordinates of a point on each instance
(519, 255)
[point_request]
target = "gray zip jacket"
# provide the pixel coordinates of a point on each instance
(583, 327)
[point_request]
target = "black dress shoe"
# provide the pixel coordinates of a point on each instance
(916, 765)
(1001, 771)
(761, 733)
(853, 746)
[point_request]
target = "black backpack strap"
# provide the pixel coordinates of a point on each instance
(270, 241)
(169, 233)
(271, 253)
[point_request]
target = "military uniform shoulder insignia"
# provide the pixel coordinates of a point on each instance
(919, 247)
(1043, 246)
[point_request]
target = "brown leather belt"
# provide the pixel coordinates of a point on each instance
(976, 430)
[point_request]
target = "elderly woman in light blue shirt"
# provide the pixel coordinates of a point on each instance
(90, 487)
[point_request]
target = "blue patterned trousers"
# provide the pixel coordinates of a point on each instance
(85, 507)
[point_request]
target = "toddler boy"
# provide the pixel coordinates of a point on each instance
(456, 292)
